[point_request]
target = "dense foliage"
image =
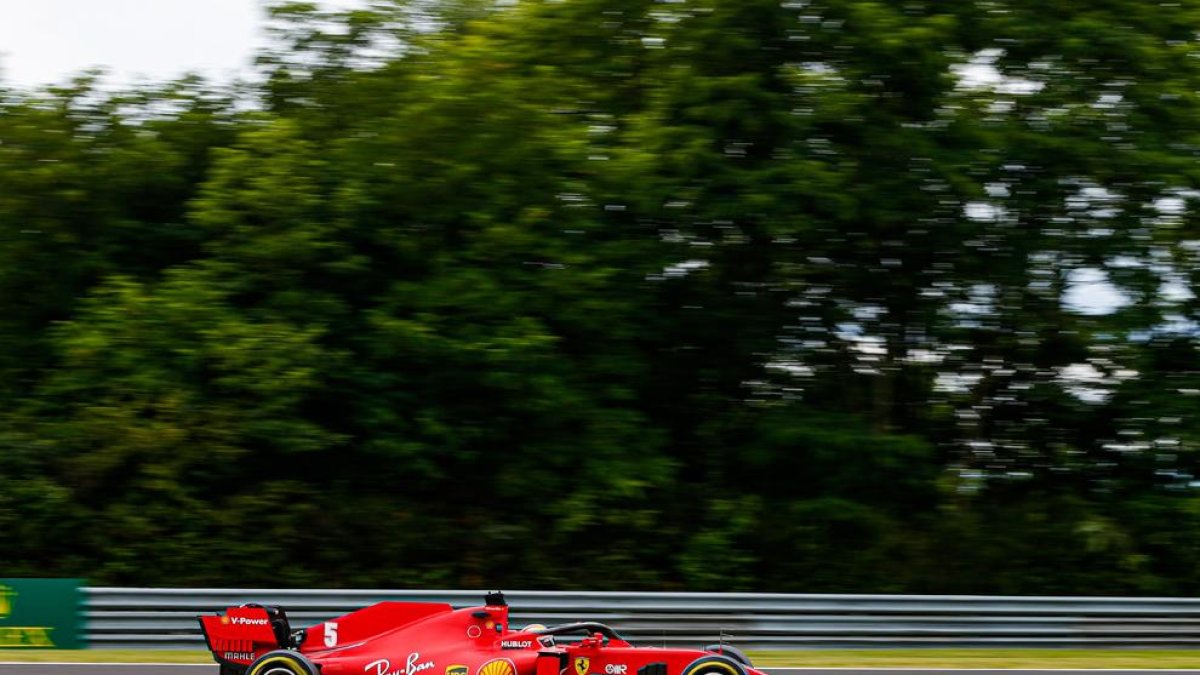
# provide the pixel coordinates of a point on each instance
(784, 296)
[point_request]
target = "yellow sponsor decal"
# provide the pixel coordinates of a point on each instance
(457, 670)
(582, 663)
(6, 596)
(498, 667)
(12, 637)
(18, 637)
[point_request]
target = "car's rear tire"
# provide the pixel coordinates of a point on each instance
(282, 662)
(714, 664)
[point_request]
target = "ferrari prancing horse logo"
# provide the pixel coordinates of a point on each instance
(581, 665)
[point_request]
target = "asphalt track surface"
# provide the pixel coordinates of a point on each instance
(210, 669)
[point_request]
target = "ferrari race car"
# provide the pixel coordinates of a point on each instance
(426, 638)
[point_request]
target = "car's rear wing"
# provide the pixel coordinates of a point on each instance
(244, 633)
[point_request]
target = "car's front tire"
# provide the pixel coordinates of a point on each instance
(714, 665)
(282, 662)
(730, 651)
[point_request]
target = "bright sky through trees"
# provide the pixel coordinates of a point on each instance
(133, 40)
(47, 41)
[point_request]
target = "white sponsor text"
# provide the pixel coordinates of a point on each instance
(411, 667)
(516, 644)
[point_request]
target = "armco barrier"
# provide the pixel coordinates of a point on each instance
(165, 618)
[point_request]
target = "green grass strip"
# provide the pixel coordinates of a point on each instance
(105, 655)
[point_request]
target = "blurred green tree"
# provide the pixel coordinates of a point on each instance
(755, 295)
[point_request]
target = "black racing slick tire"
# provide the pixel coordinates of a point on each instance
(282, 662)
(714, 665)
(732, 652)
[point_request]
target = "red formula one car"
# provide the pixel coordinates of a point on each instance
(426, 638)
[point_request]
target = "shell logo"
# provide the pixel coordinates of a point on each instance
(498, 667)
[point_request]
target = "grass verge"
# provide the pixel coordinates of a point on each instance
(105, 656)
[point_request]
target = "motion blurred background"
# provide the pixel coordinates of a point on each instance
(820, 296)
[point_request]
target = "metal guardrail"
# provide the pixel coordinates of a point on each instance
(166, 618)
